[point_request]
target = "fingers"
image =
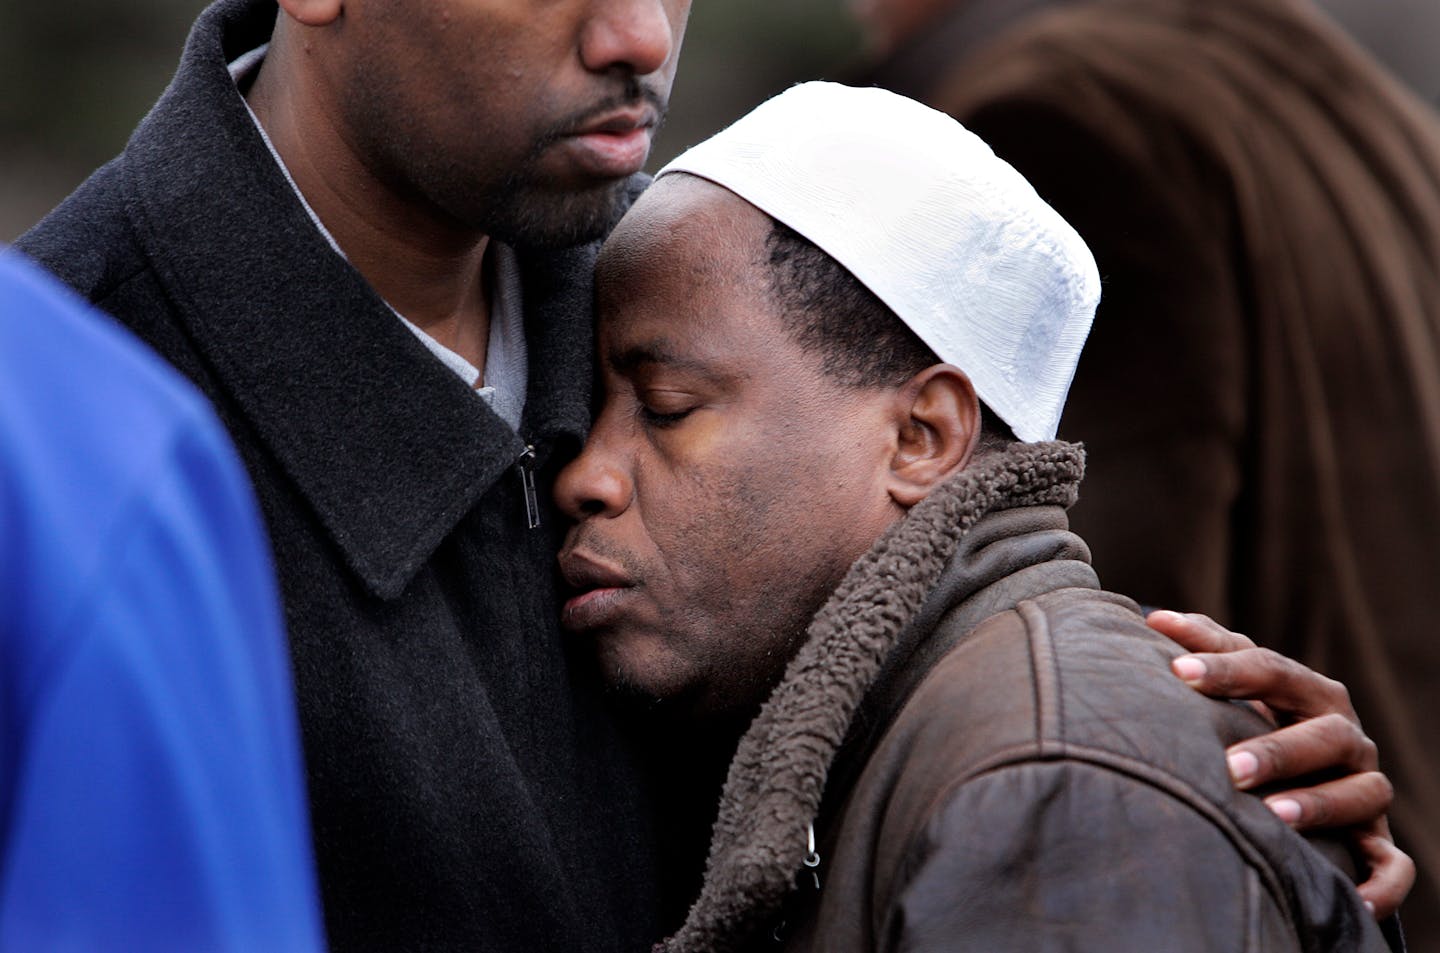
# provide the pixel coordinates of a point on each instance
(1355, 799)
(1196, 633)
(1281, 683)
(1327, 737)
(1392, 874)
(1328, 743)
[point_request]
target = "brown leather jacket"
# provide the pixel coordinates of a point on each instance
(994, 756)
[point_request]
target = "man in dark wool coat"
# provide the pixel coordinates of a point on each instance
(365, 229)
(1264, 377)
(793, 496)
(318, 208)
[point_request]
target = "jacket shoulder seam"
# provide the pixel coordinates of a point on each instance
(1049, 703)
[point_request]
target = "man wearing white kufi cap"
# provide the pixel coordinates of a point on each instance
(792, 496)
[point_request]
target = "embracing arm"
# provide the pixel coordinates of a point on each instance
(1322, 736)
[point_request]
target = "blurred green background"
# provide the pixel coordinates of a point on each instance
(76, 77)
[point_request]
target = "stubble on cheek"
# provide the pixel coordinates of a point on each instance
(742, 600)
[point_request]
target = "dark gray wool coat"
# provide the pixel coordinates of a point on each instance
(468, 789)
(994, 756)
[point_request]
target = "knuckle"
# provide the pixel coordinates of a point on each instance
(1369, 754)
(1392, 874)
(1202, 625)
(1384, 790)
(1272, 755)
(1337, 694)
(1317, 807)
(1220, 674)
(1335, 731)
(1405, 870)
(1273, 663)
(1223, 639)
(1194, 635)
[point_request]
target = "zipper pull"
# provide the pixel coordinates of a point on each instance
(526, 465)
(812, 858)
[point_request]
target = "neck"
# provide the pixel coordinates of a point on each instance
(425, 265)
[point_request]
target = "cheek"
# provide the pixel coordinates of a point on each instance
(733, 507)
(742, 545)
(706, 529)
(704, 522)
(743, 564)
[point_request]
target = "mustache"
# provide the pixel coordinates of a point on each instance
(636, 91)
(590, 543)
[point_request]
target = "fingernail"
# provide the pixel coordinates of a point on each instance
(1166, 615)
(1370, 906)
(1285, 809)
(1243, 766)
(1189, 668)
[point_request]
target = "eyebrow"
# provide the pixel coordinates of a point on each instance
(630, 359)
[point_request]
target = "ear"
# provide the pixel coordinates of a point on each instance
(939, 426)
(313, 12)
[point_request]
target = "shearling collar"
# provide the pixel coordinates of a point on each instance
(778, 776)
(388, 447)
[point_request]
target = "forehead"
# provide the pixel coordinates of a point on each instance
(685, 219)
(687, 251)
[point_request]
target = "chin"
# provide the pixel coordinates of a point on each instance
(643, 670)
(634, 667)
(551, 216)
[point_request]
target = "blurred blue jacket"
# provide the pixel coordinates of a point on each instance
(151, 785)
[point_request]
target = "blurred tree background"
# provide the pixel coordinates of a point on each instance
(76, 77)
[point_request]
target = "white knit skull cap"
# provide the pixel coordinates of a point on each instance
(918, 208)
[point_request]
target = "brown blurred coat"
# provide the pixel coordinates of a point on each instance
(1260, 396)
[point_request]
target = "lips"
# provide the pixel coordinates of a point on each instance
(601, 591)
(614, 145)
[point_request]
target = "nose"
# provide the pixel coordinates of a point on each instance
(594, 483)
(637, 35)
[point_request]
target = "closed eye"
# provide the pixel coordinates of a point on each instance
(662, 403)
(655, 418)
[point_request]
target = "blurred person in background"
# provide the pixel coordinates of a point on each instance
(1402, 34)
(151, 786)
(1263, 378)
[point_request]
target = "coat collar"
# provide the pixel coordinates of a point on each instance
(388, 447)
(883, 610)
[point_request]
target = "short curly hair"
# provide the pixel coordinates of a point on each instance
(827, 310)
(862, 343)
